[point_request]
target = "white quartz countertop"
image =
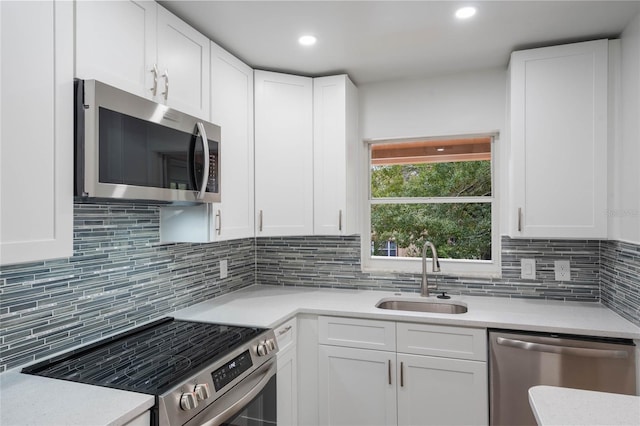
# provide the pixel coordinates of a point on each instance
(31, 400)
(267, 306)
(568, 407)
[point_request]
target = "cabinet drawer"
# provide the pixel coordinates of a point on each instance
(286, 334)
(357, 333)
(442, 341)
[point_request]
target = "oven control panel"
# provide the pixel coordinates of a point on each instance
(232, 369)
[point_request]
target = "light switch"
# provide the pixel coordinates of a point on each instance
(223, 269)
(528, 269)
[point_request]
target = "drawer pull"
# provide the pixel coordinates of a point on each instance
(389, 371)
(402, 374)
(284, 330)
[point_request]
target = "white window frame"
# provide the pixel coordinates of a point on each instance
(460, 267)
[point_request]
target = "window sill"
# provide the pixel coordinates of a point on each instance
(455, 267)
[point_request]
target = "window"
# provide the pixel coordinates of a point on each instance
(434, 189)
(384, 248)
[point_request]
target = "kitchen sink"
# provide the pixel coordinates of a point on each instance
(422, 306)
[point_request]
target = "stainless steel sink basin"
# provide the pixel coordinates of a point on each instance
(422, 306)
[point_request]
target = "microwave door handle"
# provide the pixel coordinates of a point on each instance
(205, 171)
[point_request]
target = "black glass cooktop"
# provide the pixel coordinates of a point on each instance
(149, 359)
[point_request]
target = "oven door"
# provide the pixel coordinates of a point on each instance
(252, 402)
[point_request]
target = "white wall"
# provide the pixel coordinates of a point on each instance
(455, 104)
(624, 176)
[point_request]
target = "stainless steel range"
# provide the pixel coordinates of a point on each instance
(199, 373)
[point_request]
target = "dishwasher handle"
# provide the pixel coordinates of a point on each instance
(564, 350)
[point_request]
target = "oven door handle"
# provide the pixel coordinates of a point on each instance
(235, 406)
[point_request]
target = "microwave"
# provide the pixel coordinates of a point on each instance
(127, 147)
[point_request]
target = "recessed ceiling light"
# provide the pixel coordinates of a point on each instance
(465, 12)
(439, 149)
(307, 40)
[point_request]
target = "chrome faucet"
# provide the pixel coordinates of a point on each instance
(435, 267)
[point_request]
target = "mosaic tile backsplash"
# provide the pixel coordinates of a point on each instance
(620, 278)
(118, 276)
(335, 262)
(121, 276)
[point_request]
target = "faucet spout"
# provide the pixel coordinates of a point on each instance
(435, 267)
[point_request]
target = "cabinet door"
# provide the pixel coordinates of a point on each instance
(335, 165)
(183, 63)
(283, 154)
(116, 43)
(36, 131)
(441, 391)
(232, 110)
(287, 383)
(558, 129)
(356, 387)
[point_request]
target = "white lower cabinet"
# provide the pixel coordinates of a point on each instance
(287, 374)
(355, 386)
(441, 391)
(287, 388)
(362, 386)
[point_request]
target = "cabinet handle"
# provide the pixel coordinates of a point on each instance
(519, 219)
(154, 89)
(166, 84)
(218, 222)
(284, 330)
(389, 371)
(402, 374)
(260, 221)
(340, 220)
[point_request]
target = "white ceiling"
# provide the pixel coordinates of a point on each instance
(387, 40)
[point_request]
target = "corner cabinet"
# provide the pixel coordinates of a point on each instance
(140, 47)
(283, 154)
(377, 372)
(558, 131)
(36, 128)
(335, 155)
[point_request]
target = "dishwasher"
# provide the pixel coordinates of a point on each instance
(520, 360)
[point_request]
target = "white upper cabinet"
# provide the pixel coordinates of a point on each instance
(283, 154)
(232, 110)
(36, 131)
(183, 64)
(116, 43)
(140, 47)
(335, 154)
(558, 127)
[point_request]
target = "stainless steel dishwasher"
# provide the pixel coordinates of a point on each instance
(520, 360)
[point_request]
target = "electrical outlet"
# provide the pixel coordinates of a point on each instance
(563, 270)
(224, 273)
(528, 269)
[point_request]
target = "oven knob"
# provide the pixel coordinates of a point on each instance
(188, 401)
(262, 349)
(202, 391)
(271, 345)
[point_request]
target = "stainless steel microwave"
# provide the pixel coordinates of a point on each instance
(128, 147)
